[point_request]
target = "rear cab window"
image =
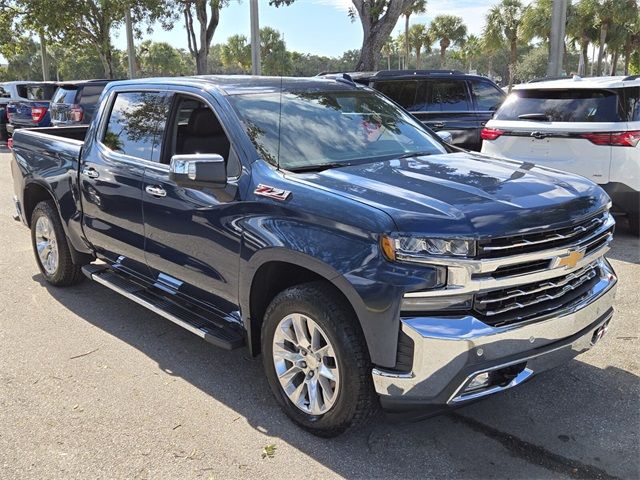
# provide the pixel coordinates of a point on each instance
(39, 92)
(578, 105)
(136, 124)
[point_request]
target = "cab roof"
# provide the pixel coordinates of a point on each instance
(243, 84)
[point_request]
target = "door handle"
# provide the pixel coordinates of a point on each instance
(155, 190)
(438, 125)
(90, 172)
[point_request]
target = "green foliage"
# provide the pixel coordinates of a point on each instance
(158, 59)
(449, 30)
(533, 64)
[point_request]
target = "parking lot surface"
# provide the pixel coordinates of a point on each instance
(95, 386)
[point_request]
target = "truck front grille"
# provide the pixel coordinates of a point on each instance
(508, 305)
(576, 234)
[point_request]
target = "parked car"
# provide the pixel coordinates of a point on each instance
(32, 109)
(9, 91)
(444, 100)
(74, 103)
(588, 126)
(319, 224)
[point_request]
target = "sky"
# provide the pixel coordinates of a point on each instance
(321, 27)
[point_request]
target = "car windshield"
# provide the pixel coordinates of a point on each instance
(329, 128)
(583, 105)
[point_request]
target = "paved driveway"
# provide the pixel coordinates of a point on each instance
(92, 385)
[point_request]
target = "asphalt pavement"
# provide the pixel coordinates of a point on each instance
(95, 386)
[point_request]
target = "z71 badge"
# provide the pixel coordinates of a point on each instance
(272, 192)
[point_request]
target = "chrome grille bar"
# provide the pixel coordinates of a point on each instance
(568, 287)
(543, 286)
(594, 223)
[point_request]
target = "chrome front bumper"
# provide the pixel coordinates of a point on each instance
(449, 352)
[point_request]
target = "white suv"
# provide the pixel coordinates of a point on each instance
(588, 126)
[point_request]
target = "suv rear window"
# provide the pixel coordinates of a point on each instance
(562, 105)
(65, 95)
(38, 92)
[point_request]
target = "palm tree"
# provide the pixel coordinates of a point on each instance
(536, 21)
(449, 29)
(504, 21)
(582, 29)
(632, 42)
(611, 13)
(419, 40)
(388, 49)
(418, 6)
(469, 51)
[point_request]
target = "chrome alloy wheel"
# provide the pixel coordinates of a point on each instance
(46, 245)
(306, 364)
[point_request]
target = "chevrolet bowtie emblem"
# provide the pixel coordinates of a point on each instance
(571, 259)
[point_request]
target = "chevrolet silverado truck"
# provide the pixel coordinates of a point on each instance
(317, 223)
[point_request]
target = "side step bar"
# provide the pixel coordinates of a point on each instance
(164, 307)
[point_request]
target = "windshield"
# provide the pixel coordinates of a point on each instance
(329, 128)
(580, 105)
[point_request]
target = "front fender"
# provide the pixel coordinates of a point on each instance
(350, 260)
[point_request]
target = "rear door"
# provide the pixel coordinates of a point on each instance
(563, 129)
(112, 172)
(487, 98)
(446, 105)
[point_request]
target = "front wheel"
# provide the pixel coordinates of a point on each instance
(316, 360)
(50, 247)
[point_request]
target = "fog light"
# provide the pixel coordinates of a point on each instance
(479, 381)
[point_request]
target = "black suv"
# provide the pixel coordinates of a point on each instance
(74, 103)
(447, 100)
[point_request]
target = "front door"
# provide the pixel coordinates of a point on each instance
(112, 172)
(192, 245)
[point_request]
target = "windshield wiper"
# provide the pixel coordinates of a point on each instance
(319, 167)
(535, 116)
(415, 154)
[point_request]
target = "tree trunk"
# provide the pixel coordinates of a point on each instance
(603, 38)
(513, 58)
(614, 63)
(627, 56)
(584, 52)
(43, 54)
(376, 31)
(388, 62)
(418, 59)
(406, 38)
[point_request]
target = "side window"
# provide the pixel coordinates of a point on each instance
(198, 130)
(401, 92)
(450, 95)
(632, 96)
(488, 98)
(136, 124)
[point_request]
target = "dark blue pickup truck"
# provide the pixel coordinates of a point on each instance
(317, 223)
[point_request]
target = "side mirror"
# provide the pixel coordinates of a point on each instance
(445, 136)
(198, 170)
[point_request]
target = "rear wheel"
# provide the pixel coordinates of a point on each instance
(316, 360)
(50, 247)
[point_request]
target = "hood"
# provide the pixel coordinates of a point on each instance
(466, 194)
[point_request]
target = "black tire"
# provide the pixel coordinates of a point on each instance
(356, 399)
(634, 223)
(66, 273)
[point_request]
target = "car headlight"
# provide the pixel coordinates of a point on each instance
(413, 248)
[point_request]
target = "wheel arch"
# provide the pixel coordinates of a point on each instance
(279, 269)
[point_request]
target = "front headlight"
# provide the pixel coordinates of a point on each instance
(412, 248)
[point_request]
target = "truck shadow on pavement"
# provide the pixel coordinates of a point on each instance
(577, 421)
